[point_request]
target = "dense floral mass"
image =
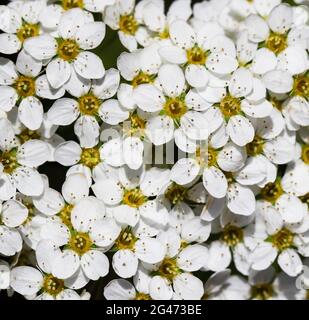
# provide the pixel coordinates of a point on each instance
(187, 163)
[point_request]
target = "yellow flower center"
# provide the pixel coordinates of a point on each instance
(283, 239)
(262, 291)
(301, 86)
(142, 78)
(89, 104)
(27, 135)
(134, 198)
(276, 42)
(53, 285)
(164, 34)
(232, 235)
(305, 153)
(136, 125)
(80, 242)
(272, 191)
(128, 24)
(206, 157)
(68, 49)
(126, 240)
(142, 296)
(27, 31)
(70, 4)
(65, 215)
(196, 55)
(175, 108)
(176, 193)
(255, 147)
(230, 106)
(24, 86)
(169, 269)
(9, 160)
(90, 157)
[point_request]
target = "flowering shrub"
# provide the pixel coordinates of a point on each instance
(160, 150)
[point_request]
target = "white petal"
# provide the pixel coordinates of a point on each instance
(182, 34)
(33, 153)
(45, 90)
(75, 188)
(8, 98)
(41, 47)
(65, 265)
(280, 18)
(184, 171)
(149, 250)
(160, 130)
(58, 72)
(290, 208)
(221, 63)
(263, 256)
(148, 98)
(290, 262)
(126, 215)
(172, 79)
(70, 22)
(9, 43)
(95, 264)
(63, 112)
(260, 109)
(215, 182)
(241, 83)
(91, 35)
(26, 280)
(173, 54)
(14, 213)
(240, 130)
(119, 289)
(87, 129)
(196, 76)
(125, 263)
(104, 232)
(160, 289)
(28, 181)
(241, 199)
(112, 113)
(68, 153)
(278, 81)
(192, 258)
(50, 203)
(264, 61)
(219, 256)
(188, 287)
(30, 113)
(107, 86)
(257, 28)
(89, 66)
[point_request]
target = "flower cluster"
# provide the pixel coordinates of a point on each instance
(187, 163)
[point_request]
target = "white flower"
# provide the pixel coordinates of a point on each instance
(130, 249)
(234, 244)
(78, 34)
(20, 85)
(129, 198)
(121, 16)
(12, 215)
(174, 111)
(277, 238)
(208, 47)
(173, 275)
(19, 162)
(88, 161)
(19, 23)
(88, 106)
(42, 283)
(52, 203)
(138, 67)
(83, 240)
